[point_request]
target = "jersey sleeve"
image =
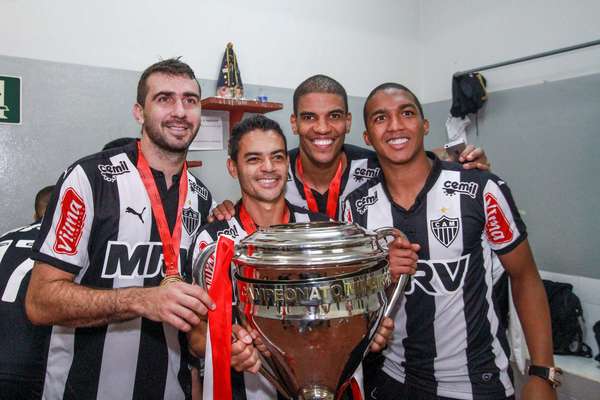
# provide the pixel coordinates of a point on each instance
(65, 232)
(504, 228)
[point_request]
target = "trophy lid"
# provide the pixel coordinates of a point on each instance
(310, 244)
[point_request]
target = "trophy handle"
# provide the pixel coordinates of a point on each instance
(381, 236)
(198, 275)
(200, 265)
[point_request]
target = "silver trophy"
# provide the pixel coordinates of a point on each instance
(315, 293)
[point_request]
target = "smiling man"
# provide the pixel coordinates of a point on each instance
(110, 250)
(258, 159)
(447, 341)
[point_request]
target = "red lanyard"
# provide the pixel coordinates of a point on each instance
(333, 191)
(170, 244)
(249, 225)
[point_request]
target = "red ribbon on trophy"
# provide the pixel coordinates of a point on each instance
(219, 324)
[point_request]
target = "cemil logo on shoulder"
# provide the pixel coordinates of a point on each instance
(364, 202)
(361, 174)
(110, 172)
(232, 231)
(70, 223)
(468, 188)
(199, 190)
(497, 227)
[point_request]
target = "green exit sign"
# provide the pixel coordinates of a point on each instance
(10, 100)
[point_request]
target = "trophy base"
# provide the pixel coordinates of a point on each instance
(316, 393)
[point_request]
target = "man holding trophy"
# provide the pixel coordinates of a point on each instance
(448, 343)
(258, 159)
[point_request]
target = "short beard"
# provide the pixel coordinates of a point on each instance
(156, 138)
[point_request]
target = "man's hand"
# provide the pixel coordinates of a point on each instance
(402, 257)
(383, 335)
(223, 211)
(244, 356)
(179, 304)
(537, 388)
(474, 158)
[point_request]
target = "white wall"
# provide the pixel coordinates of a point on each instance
(464, 34)
(278, 43)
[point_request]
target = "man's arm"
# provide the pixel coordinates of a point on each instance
(534, 313)
(54, 299)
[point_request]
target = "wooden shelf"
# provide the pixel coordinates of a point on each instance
(238, 107)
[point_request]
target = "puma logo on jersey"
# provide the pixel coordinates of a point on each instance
(365, 173)
(138, 214)
(364, 202)
(199, 190)
(144, 260)
(110, 172)
(439, 277)
(232, 231)
(468, 188)
(70, 224)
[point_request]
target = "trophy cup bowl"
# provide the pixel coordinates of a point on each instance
(315, 294)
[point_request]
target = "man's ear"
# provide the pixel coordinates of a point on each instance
(138, 113)
(366, 139)
(348, 122)
(231, 168)
(293, 121)
(426, 126)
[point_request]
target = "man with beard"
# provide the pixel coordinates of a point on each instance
(109, 255)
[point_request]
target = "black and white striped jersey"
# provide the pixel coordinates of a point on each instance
(23, 347)
(362, 167)
(246, 386)
(99, 226)
(446, 333)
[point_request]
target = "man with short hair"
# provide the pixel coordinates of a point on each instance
(446, 342)
(23, 347)
(323, 169)
(109, 255)
(258, 159)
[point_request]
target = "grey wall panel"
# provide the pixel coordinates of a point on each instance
(70, 111)
(544, 141)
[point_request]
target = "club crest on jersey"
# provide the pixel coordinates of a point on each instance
(110, 171)
(468, 188)
(439, 277)
(144, 260)
(364, 202)
(361, 174)
(70, 224)
(497, 227)
(199, 190)
(190, 219)
(231, 231)
(445, 229)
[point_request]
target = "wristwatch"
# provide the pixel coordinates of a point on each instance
(550, 374)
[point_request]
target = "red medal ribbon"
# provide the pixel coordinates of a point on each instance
(170, 243)
(220, 320)
(334, 190)
(249, 225)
